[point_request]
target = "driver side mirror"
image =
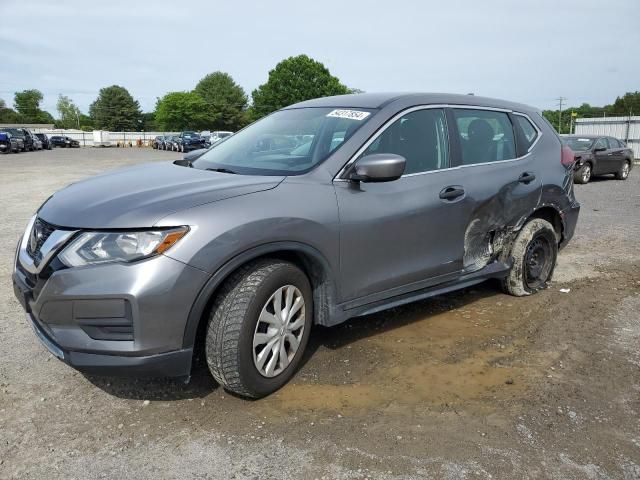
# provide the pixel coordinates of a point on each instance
(599, 149)
(379, 167)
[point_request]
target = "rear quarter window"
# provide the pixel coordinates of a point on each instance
(529, 132)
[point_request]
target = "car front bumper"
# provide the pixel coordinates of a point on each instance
(189, 147)
(114, 319)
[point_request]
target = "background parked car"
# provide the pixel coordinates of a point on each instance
(162, 142)
(46, 143)
(30, 140)
(188, 141)
(37, 143)
(62, 141)
(217, 136)
(23, 136)
(9, 143)
(171, 143)
(597, 155)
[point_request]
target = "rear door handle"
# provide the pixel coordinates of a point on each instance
(527, 177)
(452, 192)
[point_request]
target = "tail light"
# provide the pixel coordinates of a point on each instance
(567, 157)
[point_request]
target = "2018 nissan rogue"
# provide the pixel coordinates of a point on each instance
(328, 209)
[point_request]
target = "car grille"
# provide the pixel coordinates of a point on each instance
(39, 234)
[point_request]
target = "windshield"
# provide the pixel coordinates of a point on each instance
(14, 131)
(190, 134)
(287, 142)
(578, 144)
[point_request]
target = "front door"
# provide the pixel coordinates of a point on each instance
(396, 235)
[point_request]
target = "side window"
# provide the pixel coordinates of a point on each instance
(485, 136)
(601, 143)
(613, 143)
(420, 137)
(529, 131)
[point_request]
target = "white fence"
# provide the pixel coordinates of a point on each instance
(123, 138)
(624, 128)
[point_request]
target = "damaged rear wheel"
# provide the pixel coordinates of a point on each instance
(534, 253)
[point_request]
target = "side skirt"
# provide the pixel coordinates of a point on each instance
(495, 269)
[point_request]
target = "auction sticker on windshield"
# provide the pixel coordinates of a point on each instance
(350, 114)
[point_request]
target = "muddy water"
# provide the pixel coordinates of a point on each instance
(443, 358)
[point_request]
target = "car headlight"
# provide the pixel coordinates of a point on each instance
(100, 247)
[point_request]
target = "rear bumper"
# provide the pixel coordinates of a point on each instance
(570, 220)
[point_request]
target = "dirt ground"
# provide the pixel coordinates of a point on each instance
(469, 385)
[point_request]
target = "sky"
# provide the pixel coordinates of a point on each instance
(531, 52)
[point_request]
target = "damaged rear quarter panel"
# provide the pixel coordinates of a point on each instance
(502, 203)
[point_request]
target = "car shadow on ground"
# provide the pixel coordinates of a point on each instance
(359, 328)
(201, 383)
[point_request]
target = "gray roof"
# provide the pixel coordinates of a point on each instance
(379, 100)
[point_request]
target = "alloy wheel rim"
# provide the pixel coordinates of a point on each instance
(625, 170)
(279, 331)
(586, 174)
(537, 262)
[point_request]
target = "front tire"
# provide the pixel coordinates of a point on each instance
(583, 174)
(534, 253)
(623, 173)
(259, 327)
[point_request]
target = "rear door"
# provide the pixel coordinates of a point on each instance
(500, 174)
(603, 156)
(616, 152)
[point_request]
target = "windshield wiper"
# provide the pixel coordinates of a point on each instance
(221, 170)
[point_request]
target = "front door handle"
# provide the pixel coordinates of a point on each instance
(451, 193)
(527, 177)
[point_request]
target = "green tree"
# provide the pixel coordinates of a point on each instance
(27, 103)
(149, 122)
(8, 115)
(116, 110)
(294, 79)
(182, 111)
(628, 104)
(86, 123)
(225, 99)
(69, 113)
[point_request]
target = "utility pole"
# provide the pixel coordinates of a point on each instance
(560, 101)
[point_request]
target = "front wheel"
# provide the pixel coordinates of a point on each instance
(623, 173)
(534, 253)
(583, 174)
(259, 327)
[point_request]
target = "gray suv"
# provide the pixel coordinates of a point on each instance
(328, 209)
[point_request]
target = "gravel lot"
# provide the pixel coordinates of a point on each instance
(474, 384)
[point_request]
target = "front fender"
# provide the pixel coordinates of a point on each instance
(215, 281)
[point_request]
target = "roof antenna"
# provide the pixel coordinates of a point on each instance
(471, 93)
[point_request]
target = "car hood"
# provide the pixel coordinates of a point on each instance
(140, 196)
